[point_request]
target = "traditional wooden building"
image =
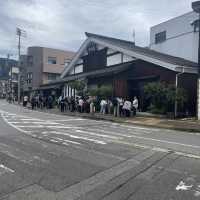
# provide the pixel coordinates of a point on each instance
(127, 68)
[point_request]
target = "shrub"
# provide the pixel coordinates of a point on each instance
(102, 92)
(79, 86)
(163, 96)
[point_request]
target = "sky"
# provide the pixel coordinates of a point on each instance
(62, 24)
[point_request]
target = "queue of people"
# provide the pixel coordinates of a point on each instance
(38, 101)
(117, 106)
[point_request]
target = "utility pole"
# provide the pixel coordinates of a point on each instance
(10, 71)
(20, 33)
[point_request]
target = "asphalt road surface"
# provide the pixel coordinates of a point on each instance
(53, 157)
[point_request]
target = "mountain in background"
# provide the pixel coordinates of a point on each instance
(5, 66)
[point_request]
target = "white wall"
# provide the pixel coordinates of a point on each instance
(114, 60)
(68, 91)
(127, 58)
(78, 69)
(181, 41)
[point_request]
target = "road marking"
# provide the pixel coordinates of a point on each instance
(30, 119)
(64, 141)
(45, 122)
(71, 119)
(99, 135)
(187, 155)
(5, 115)
(19, 129)
(182, 186)
(62, 127)
(111, 132)
(32, 126)
(77, 137)
(5, 169)
(166, 141)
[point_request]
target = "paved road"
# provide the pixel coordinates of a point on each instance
(46, 156)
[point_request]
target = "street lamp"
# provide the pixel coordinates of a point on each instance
(196, 8)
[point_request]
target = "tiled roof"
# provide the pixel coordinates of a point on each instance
(142, 50)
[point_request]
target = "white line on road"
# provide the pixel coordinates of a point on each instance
(99, 135)
(6, 169)
(30, 119)
(19, 129)
(111, 132)
(166, 141)
(77, 137)
(32, 126)
(66, 141)
(67, 120)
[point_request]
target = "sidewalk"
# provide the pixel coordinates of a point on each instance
(190, 125)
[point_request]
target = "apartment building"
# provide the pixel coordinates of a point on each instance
(42, 65)
(177, 37)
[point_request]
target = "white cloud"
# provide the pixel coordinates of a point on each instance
(62, 23)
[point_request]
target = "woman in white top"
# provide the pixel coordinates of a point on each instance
(135, 105)
(127, 108)
(103, 104)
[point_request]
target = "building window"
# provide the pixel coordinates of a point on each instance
(160, 37)
(52, 77)
(52, 60)
(30, 60)
(14, 77)
(29, 77)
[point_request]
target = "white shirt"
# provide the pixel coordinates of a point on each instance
(25, 98)
(120, 101)
(80, 102)
(135, 103)
(103, 102)
(127, 105)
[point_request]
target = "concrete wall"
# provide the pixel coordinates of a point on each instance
(60, 56)
(181, 40)
(40, 67)
(36, 68)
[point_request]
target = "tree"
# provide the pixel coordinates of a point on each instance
(102, 92)
(163, 96)
(79, 86)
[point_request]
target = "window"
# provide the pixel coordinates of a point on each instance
(160, 37)
(14, 77)
(29, 77)
(30, 60)
(52, 76)
(52, 60)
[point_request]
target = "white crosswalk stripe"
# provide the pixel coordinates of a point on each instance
(31, 125)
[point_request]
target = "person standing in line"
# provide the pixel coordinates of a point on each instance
(80, 103)
(59, 101)
(62, 104)
(25, 101)
(73, 104)
(91, 105)
(115, 105)
(120, 106)
(135, 105)
(103, 104)
(33, 102)
(127, 108)
(50, 102)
